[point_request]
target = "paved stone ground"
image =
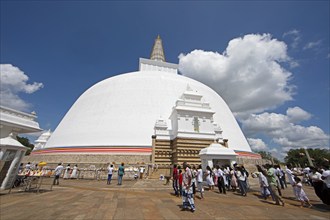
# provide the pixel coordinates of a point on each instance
(146, 199)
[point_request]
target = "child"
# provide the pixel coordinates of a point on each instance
(180, 182)
(301, 193)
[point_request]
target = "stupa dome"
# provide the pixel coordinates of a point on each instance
(154, 114)
(122, 111)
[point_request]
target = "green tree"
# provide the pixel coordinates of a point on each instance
(298, 157)
(25, 141)
(268, 156)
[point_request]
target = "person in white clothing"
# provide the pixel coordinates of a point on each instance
(74, 174)
(187, 192)
(302, 197)
(209, 178)
(67, 172)
(110, 171)
(226, 173)
(141, 172)
(264, 186)
(221, 180)
(200, 181)
(57, 172)
(193, 180)
(28, 166)
(326, 177)
(215, 175)
(241, 177)
(326, 189)
(316, 179)
(290, 176)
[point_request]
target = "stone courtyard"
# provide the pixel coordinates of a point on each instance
(146, 199)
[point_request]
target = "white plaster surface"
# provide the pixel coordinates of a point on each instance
(122, 111)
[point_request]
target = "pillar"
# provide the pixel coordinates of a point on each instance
(153, 137)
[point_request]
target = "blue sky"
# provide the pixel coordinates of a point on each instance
(65, 47)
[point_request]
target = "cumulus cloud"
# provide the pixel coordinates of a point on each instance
(248, 74)
(297, 114)
(257, 144)
(12, 82)
(283, 132)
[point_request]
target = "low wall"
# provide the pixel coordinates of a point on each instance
(96, 159)
(90, 163)
(250, 163)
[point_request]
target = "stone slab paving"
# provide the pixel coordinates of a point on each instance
(146, 199)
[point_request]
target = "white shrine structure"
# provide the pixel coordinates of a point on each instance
(217, 154)
(13, 122)
(153, 115)
(40, 143)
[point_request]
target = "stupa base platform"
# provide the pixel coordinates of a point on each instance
(88, 159)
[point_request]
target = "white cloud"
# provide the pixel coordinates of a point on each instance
(264, 123)
(257, 144)
(293, 64)
(12, 82)
(295, 36)
(278, 154)
(283, 132)
(297, 114)
(248, 75)
(312, 45)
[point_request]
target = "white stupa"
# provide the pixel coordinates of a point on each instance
(117, 116)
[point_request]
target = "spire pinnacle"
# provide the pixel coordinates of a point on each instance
(157, 50)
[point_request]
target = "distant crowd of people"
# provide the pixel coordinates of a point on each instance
(187, 180)
(190, 179)
(72, 173)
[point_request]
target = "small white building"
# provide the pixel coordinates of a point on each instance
(217, 154)
(13, 122)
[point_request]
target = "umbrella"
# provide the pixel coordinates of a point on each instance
(42, 163)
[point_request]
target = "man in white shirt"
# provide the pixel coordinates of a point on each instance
(28, 166)
(279, 175)
(187, 194)
(141, 172)
(110, 171)
(200, 181)
(326, 177)
(316, 178)
(326, 191)
(221, 180)
(58, 171)
(290, 176)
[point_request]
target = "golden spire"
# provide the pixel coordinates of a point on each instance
(157, 52)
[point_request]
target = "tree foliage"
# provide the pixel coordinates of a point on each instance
(26, 142)
(268, 156)
(298, 157)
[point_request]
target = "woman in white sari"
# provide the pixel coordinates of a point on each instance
(209, 178)
(67, 172)
(74, 174)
